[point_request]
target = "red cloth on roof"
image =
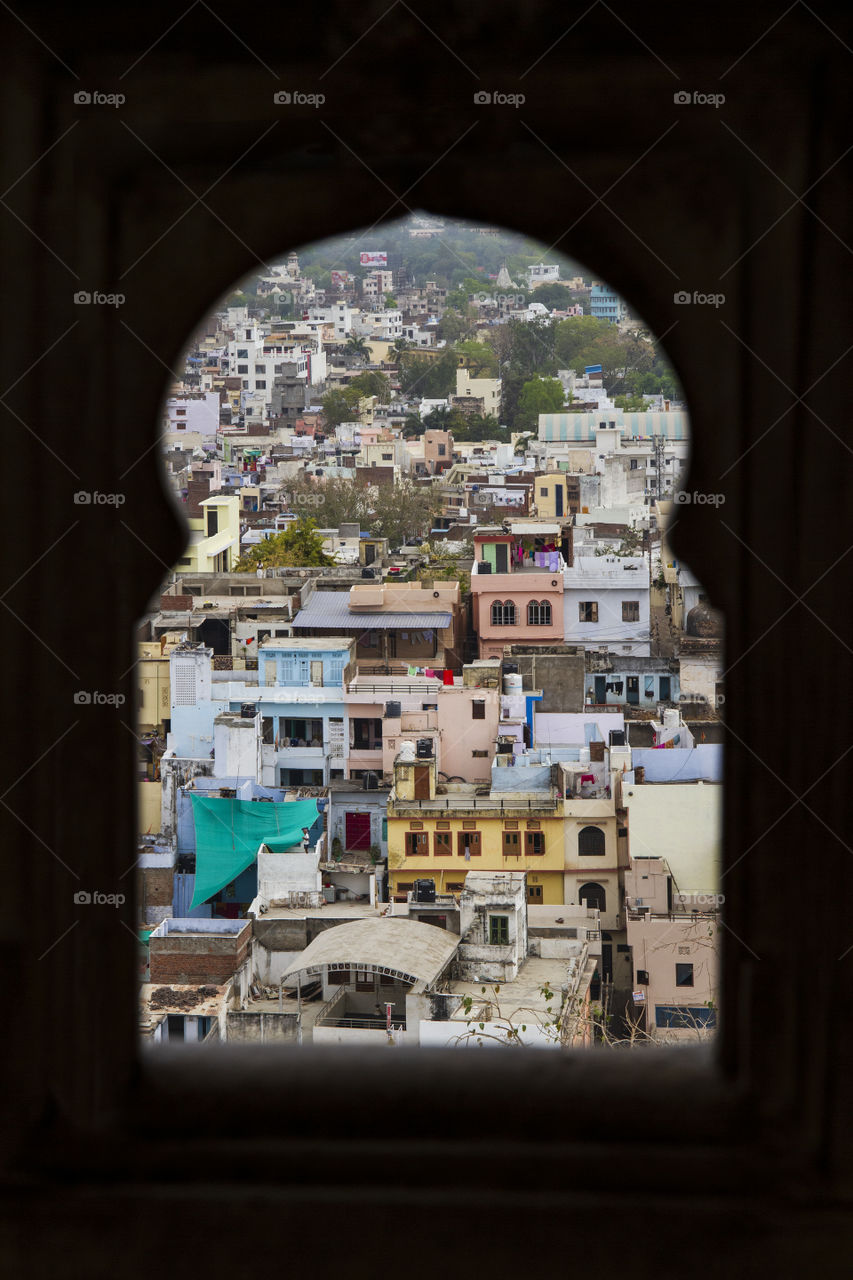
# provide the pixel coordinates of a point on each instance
(587, 777)
(447, 677)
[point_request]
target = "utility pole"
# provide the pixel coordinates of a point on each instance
(658, 453)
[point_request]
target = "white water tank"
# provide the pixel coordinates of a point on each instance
(407, 751)
(584, 755)
(513, 684)
(670, 718)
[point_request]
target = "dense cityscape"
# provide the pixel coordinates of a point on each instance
(429, 712)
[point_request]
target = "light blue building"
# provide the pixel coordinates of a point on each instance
(295, 704)
(300, 698)
(605, 304)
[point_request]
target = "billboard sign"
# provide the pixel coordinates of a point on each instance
(339, 279)
(374, 258)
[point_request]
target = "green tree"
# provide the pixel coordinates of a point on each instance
(575, 335)
(335, 500)
(478, 427)
(412, 427)
(371, 383)
(431, 379)
(402, 510)
(631, 403)
(340, 406)
(454, 324)
(480, 357)
(299, 545)
(399, 348)
(539, 395)
(356, 351)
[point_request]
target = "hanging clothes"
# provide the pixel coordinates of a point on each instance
(447, 677)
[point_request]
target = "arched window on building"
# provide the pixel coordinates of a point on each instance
(591, 842)
(539, 613)
(503, 613)
(593, 895)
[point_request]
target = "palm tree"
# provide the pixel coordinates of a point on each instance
(357, 349)
(401, 345)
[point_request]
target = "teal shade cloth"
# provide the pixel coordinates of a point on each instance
(229, 833)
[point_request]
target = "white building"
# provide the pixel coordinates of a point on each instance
(543, 273)
(192, 412)
(606, 604)
(383, 324)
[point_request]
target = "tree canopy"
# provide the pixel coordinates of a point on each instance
(298, 546)
(539, 395)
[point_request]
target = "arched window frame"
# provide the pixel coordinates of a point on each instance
(503, 613)
(593, 894)
(539, 613)
(595, 838)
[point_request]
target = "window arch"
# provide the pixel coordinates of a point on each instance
(593, 895)
(503, 613)
(539, 613)
(591, 842)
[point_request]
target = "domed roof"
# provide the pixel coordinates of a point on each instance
(704, 622)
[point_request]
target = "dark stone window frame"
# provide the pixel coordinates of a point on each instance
(78, 1082)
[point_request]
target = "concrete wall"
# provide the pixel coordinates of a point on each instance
(705, 762)
(682, 823)
(149, 798)
(283, 874)
(560, 676)
(250, 1027)
(572, 729)
(699, 675)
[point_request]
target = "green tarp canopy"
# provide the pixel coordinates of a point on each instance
(228, 834)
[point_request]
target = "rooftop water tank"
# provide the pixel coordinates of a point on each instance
(513, 683)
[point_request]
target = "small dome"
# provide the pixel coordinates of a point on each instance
(704, 622)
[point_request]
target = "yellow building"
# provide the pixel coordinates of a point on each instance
(152, 670)
(441, 838)
(556, 495)
(214, 545)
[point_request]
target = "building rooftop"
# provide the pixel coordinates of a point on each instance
(333, 644)
(404, 946)
(332, 609)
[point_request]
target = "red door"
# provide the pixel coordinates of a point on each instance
(358, 830)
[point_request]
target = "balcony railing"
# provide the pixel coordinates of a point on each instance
(396, 685)
(461, 803)
(375, 1023)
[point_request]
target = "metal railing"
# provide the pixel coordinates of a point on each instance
(451, 802)
(430, 684)
(375, 1023)
(330, 1003)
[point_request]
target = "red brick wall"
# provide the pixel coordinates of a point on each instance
(176, 604)
(176, 964)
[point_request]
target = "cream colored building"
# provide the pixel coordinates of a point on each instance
(488, 388)
(214, 538)
(673, 905)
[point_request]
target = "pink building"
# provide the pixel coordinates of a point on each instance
(517, 584)
(438, 451)
(461, 722)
